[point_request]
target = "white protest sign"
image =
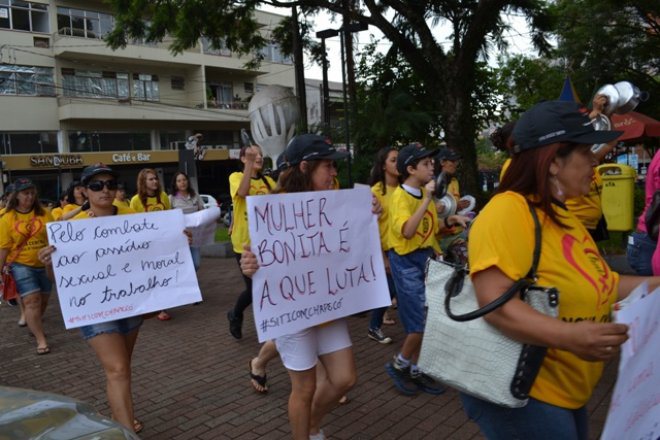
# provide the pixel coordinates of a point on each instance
(202, 224)
(320, 259)
(108, 268)
(634, 412)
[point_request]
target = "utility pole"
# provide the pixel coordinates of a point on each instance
(299, 66)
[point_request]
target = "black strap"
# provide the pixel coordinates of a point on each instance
(455, 284)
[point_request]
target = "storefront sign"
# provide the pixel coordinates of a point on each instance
(131, 157)
(58, 160)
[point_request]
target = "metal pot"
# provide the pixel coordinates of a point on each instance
(612, 94)
(629, 97)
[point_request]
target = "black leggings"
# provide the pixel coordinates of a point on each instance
(245, 298)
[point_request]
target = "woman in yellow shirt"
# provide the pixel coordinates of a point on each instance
(150, 197)
(22, 234)
(249, 182)
(552, 162)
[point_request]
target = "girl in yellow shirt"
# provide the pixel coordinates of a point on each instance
(22, 235)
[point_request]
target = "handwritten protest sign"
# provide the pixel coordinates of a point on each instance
(320, 259)
(108, 268)
(635, 408)
(202, 224)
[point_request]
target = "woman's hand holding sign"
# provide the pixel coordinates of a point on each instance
(249, 264)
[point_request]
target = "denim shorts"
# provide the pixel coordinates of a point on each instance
(408, 273)
(537, 420)
(640, 252)
(30, 279)
(122, 326)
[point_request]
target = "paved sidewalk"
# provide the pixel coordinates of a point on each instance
(191, 379)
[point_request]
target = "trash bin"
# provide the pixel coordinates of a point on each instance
(617, 198)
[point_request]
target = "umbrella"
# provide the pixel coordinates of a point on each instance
(635, 126)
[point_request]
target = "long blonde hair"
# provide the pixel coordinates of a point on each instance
(142, 186)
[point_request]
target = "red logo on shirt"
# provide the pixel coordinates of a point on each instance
(603, 285)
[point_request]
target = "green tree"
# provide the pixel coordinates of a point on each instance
(449, 76)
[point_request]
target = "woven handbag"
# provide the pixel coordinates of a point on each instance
(463, 351)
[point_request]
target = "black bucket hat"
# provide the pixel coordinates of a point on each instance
(557, 121)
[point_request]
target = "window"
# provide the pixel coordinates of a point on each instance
(273, 54)
(23, 16)
(28, 142)
(82, 23)
(178, 83)
(26, 80)
(208, 48)
(94, 84)
(145, 87)
(81, 141)
(222, 93)
(248, 88)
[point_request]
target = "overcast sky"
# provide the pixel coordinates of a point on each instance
(517, 38)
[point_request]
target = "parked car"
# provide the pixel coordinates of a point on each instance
(29, 414)
(209, 201)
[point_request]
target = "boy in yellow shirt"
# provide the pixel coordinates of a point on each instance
(413, 226)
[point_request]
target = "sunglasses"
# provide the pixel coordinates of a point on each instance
(98, 185)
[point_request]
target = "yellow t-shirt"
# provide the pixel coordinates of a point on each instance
(125, 203)
(68, 208)
(2, 211)
(503, 236)
(240, 234)
(402, 206)
(384, 219)
(57, 213)
(26, 231)
(121, 210)
(588, 208)
(152, 203)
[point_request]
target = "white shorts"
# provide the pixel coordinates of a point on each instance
(300, 351)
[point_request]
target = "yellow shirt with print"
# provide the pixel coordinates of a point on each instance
(68, 208)
(402, 206)
(26, 231)
(121, 210)
(384, 219)
(588, 208)
(505, 166)
(502, 236)
(153, 204)
(124, 203)
(239, 230)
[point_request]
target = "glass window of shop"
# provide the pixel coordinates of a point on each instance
(84, 141)
(83, 23)
(26, 80)
(95, 84)
(28, 142)
(23, 16)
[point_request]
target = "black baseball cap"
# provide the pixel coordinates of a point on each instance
(557, 121)
(311, 147)
(22, 183)
(448, 154)
(93, 170)
(410, 153)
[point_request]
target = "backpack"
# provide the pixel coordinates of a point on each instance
(652, 217)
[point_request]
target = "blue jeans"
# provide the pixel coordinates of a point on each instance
(409, 273)
(537, 420)
(377, 314)
(196, 257)
(640, 251)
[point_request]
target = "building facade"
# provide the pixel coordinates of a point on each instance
(67, 100)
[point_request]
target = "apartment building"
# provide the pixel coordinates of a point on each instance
(67, 100)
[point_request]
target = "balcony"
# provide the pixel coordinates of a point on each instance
(73, 108)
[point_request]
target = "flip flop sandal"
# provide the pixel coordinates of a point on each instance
(43, 350)
(261, 380)
(137, 426)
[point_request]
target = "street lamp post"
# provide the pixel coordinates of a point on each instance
(328, 33)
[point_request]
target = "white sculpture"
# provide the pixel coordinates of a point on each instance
(273, 116)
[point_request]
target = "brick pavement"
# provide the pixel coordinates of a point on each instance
(190, 377)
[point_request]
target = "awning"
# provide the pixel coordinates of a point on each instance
(635, 126)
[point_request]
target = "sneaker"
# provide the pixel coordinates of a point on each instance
(378, 336)
(401, 379)
(319, 436)
(235, 325)
(427, 384)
